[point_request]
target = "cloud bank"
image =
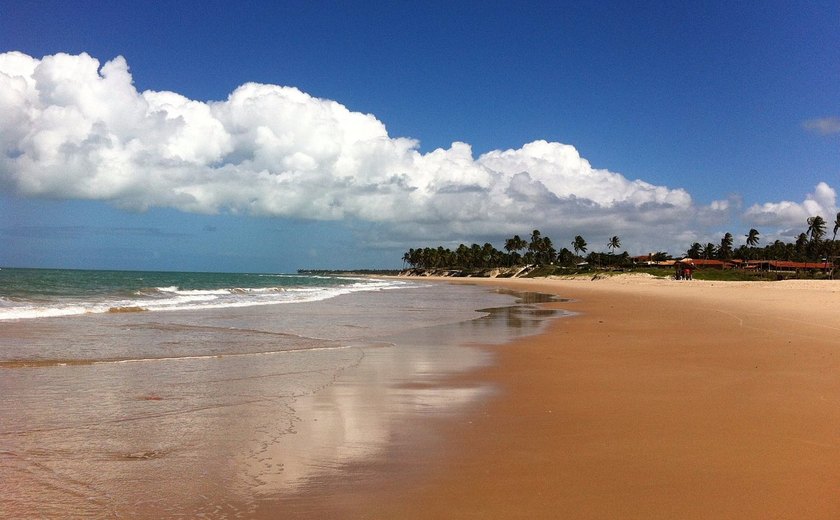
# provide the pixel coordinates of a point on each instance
(822, 202)
(74, 128)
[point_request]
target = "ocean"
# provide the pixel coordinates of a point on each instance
(185, 395)
(39, 293)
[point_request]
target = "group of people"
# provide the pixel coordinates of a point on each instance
(683, 271)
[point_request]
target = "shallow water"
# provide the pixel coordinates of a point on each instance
(204, 413)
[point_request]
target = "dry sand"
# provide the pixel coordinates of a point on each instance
(660, 399)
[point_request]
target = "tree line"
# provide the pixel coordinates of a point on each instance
(810, 245)
(539, 250)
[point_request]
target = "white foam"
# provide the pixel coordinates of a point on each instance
(174, 299)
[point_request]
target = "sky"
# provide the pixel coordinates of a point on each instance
(272, 136)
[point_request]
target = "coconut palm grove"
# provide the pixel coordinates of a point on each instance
(811, 254)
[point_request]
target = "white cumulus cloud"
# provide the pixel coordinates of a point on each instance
(823, 202)
(75, 128)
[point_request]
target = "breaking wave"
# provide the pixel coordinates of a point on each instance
(176, 298)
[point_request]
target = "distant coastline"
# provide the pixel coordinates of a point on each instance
(664, 271)
(349, 272)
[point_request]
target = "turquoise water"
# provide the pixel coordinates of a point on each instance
(39, 293)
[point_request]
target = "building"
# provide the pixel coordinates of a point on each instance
(786, 266)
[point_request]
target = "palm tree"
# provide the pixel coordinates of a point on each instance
(695, 251)
(746, 252)
(535, 244)
(624, 259)
(612, 244)
(816, 230)
(778, 250)
(660, 256)
(836, 226)
(801, 244)
(709, 250)
(725, 249)
(510, 244)
(489, 255)
(462, 256)
(547, 250)
(444, 256)
(833, 239)
(513, 246)
(579, 244)
(475, 255)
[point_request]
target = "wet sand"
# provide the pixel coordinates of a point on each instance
(216, 413)
(660, 399)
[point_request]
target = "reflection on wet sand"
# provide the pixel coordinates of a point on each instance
(354, 418)
(211, 435)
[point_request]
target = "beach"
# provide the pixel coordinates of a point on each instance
(627, 397)
(658, 399)
(229, 391)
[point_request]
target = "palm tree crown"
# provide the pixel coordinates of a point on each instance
(695, 251)
(816, 228)
(515, 244)
(752, 237)
(725, 249)
(579, 244)
(836, 225)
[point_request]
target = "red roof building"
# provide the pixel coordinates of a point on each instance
(786, 265)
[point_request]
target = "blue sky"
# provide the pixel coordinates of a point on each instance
(677, 123)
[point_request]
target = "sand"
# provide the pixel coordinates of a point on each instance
(659, 399)
(656, 399)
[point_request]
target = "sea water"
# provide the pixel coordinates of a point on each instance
(182, 395)
(37, 293)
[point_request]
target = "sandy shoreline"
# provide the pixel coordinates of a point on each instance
(189, 414)
(655, 399)
(661, 399)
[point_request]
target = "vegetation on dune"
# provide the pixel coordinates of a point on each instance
(538, 256)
